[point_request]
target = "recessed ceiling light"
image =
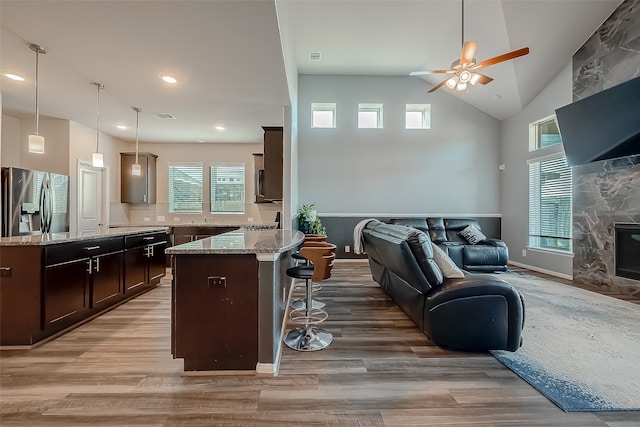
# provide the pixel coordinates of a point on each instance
(14, 77)
(169, 79)
(220, 127)
(122, 127)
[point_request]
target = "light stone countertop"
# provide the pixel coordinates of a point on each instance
(56, 238)
(244, 225)
(270, 241)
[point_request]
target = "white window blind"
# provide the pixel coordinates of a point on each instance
(227, 189)
(550, 204)
(185, 188)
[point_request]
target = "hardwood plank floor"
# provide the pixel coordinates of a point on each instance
(380, 370)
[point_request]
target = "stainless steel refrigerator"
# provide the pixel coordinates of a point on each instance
(34, 202)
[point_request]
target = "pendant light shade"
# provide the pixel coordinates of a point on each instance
(97, 160)
(136, 169)
(36, 141)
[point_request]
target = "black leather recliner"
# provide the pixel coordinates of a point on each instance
(475, 313)
(485, 256)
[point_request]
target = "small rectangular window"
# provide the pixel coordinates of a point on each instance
(418, 116)
(544, 133)
(185, 187)
(369, 116)
(323, 115)
(227, 189)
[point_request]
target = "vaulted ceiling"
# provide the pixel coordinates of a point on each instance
(228, 58)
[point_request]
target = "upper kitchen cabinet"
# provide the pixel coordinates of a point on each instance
(138, 189)
(273, 148)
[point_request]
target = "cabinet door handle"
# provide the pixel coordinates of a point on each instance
(89, 266)
(92, 248)
(97, 266)
(148, 238)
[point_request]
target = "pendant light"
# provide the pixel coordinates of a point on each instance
(136, 170)
(97, 160)
(36, 141)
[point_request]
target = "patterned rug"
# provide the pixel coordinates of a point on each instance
(581, 349)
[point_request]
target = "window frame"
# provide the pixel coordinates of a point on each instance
(535, 134)
(368, 107)
(323, 107)
(211, 188)
(171, 186)
(539, 156)
(425, 112)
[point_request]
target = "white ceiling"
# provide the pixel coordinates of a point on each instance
(227, 55)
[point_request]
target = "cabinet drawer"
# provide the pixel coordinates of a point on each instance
(64, 252)
(145, 239)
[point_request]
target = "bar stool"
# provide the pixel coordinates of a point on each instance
(309, 240)
(309, 337)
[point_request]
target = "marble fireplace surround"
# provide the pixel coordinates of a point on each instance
(606, 192)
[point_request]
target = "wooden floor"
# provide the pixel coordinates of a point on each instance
(380, 370)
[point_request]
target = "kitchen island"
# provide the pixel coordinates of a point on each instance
(229, 295)
(50, 283)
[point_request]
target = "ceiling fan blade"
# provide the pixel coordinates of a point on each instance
(501, 58)
(468, 50)
(483, 79)
(422, 73)
(438, 86)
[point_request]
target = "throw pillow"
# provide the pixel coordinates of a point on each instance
(449, 268)
(472, 234)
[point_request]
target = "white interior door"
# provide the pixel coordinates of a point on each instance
(89, 198)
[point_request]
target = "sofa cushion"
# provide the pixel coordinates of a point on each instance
(420, 246)
(437, 231)
(449, 268)
(419, 223)
(472, 234)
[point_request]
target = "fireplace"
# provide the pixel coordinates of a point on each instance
(627, 249)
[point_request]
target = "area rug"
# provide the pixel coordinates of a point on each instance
(580, 349)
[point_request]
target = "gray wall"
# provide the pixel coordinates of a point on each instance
(450, 169)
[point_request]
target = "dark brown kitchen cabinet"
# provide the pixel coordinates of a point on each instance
(107, 279)
(273, 160)
(66, 293)
(20, 294)
(138, 189)
(144, 259)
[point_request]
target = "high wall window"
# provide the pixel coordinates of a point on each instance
(323, 115)
(227, 188)
(418, 116)
(550, 196)
(185, 187)
(544, 133)
(369, 116)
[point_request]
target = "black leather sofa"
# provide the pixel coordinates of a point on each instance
(476, 313)
(487, 255)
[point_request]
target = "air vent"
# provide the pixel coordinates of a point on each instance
(165, 116)
(314, 56)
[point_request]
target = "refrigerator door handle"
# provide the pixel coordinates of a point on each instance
(46, 204)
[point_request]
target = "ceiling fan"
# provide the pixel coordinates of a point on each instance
(464, 70)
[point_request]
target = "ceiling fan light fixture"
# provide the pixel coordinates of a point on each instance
(461, 86)
(452, 82)
(474, 78)
(465, 76)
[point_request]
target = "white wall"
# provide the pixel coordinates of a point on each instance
(514, 181)
(15, 149)
(450, 169)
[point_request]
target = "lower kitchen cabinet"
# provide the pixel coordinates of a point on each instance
(144, 260)
(76, 280)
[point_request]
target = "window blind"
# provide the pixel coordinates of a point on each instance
(227, 189)
(550, 204)
(185, 188)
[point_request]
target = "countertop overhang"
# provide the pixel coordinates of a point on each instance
(270, 241)
(56, 238)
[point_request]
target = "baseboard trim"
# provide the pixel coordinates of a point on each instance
(267, 368)
(542, 270)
